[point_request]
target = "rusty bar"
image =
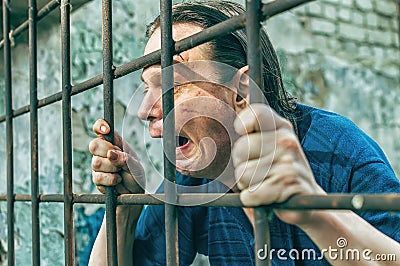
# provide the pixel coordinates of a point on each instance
(376, 202)
(276, 7)
(221, 29)
(254, 56)
(254, 60)
(108, 98)
(398, 19)
(351, 201)
(67, 132)
(9, 135)
(41, 14)
(169, 139)
(34, 132)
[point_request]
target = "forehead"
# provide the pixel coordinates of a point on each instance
(179, 32)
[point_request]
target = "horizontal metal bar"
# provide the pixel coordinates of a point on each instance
(41, 14)
(219, 30)
(378, 202)
(273, 8)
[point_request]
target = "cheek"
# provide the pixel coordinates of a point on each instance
(209, 107)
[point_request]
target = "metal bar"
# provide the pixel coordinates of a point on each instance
(108, 97)
(9, 134)
(221, 29)
(276, 7)
(356, 202)
(398, 19)
(34, 132)
(41, 14)
(169, 139)
(67, 132)
(254, 60)
(377, 202)
(254, 56)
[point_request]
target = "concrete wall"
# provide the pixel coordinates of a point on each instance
(344, 56)
(338, 55)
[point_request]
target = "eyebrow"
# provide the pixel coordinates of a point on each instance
(173, 61)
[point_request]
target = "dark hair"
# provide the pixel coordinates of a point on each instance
(231, 49)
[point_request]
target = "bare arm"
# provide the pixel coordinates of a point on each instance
(327, 227)
(127, 217)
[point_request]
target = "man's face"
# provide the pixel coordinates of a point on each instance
(204, 111)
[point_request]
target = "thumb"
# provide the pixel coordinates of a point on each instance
(101, 128)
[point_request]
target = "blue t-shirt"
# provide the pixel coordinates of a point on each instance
(343, 159)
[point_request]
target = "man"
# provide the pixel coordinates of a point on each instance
(273, 151)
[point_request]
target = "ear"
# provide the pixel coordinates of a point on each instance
(241, 83)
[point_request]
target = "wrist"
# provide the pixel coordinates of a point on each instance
(126, 218)
(320, 222)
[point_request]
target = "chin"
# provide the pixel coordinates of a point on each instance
(214, 170)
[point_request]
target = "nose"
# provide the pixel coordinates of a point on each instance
(151, 106)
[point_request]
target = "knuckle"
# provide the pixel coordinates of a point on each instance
(291, 177)
(112, 180)
(288, 161)
(96, 162)
(288, 140)
(93, 145)
(96, 178)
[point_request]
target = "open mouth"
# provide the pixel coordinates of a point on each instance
(181, 142)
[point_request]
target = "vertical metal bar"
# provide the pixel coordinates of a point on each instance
(108, 97)
(254, 60)
(169, 139)
(34, 132)
(67, 132)
(254, 56)
(9, 134)
(398, 19)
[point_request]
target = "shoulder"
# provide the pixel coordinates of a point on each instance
(336, 133)
(339, 152)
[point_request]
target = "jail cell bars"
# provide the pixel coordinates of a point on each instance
(256, 12)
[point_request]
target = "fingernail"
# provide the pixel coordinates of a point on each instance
(113, 155)
(103, 129)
